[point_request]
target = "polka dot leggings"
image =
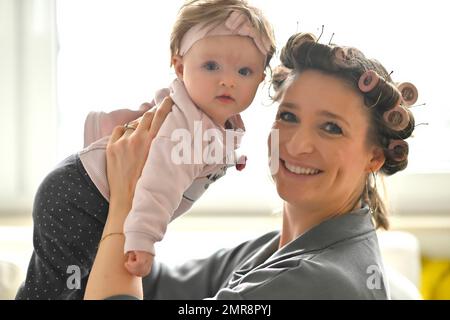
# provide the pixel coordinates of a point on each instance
(69, 214)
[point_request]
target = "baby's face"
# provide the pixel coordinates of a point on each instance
(222, 74)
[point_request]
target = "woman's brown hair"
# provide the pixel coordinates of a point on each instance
(382, 98)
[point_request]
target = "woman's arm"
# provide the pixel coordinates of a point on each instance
(126, 154)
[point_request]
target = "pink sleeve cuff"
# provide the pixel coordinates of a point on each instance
(101, 124)
(139, 241)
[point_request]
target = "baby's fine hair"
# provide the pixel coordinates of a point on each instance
(390, 120)
(215, 12)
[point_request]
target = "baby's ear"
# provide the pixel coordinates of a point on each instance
(177, 62)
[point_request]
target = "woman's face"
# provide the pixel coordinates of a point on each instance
(324, 154)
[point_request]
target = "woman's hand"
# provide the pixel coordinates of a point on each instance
(127, 152)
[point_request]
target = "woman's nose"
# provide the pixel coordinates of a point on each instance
(300, 142)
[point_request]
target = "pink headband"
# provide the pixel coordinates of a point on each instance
(236, 24)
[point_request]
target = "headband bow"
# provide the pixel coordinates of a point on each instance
(236, 24)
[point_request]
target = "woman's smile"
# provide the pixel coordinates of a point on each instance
(301, 170)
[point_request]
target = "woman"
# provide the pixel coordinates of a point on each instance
(341, 120)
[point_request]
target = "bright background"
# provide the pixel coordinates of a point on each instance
(115, 54)
(60, 59)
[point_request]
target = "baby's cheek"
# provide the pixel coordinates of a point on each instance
(248, 100)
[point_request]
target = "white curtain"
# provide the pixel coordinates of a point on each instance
(28, 112)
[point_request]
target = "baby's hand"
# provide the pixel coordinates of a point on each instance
(139, 263)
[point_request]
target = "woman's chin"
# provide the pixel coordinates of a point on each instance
(293, 196)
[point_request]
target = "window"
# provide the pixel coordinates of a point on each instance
(27, 100)
(114, 54)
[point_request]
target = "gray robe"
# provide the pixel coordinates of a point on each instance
(337, 259)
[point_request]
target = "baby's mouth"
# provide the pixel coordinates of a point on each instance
(225, 98)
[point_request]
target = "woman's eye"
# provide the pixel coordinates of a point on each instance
(287, 116)
(245, 71)
(211, 66)
(332, 128)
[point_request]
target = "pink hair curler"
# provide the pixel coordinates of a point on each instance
(345, 56)
(368, 81)
(409, 93)
(398, 149)
(397, 118)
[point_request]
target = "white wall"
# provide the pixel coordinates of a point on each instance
(114, 54)
(28, 109)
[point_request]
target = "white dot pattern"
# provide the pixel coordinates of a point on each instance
(69, 214)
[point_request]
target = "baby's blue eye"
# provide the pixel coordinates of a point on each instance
(287, 116)
(211, 66)
(245, 71)
(332, 128)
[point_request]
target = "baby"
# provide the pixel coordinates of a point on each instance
(220, 50)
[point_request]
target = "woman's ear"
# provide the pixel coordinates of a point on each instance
(177, 62)
(377, 160)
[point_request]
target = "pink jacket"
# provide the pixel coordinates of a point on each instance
(165, 190)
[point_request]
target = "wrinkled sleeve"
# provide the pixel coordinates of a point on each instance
(199, 278)
(158, 194)
(101, 124)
